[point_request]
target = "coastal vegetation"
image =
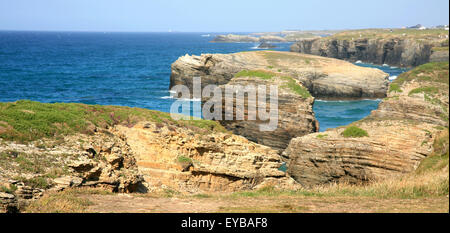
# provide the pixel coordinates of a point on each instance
(294, 86)
(430, 72)
(389, 33)
(290, 83)
(354, 132)
(265, 75)
(25, 121)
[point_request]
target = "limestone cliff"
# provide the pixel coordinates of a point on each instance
(406, 48)
(398, 135)
(316, 76)
(295, 113)
(183, 160)
(124, 150)
(324, 77)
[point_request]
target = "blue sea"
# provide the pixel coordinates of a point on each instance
(128, 69)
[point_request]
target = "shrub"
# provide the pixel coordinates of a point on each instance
(354, 132)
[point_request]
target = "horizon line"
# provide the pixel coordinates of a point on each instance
(176, 31)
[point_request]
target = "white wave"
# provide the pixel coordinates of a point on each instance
(393, 77)
(358, 62)
(167, 97)
(172, 92)
(385, 65)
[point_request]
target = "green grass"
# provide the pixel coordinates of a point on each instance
(322, 136)
(25, 121)
(255, 73)
(295, 87)
(430, 72)
(354, 132)
(394, 87)
(428, 90)
(183, 159)
(11, 189)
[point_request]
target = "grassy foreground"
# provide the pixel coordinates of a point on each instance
(25, 121)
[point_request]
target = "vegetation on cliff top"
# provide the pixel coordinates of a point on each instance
(430, 72)
(387, 33)
(265, 75)
(290, 83)
(25, 120)
(434, 83)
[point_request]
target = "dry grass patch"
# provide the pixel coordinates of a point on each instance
(67, 201)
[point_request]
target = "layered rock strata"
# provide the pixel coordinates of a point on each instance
(401, 133)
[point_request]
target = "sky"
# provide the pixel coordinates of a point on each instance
(218, 15)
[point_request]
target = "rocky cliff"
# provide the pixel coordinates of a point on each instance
(311, 76)
(124, 150)
(391, 141)
(323, 77)
(406, 48)
(295, 113)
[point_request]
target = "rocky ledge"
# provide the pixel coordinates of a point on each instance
(299, 77)
(406, 48)
(393, 140)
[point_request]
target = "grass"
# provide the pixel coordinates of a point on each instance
(255, 73)
(428, 90)
(67, 201)
(295, 87)
(322, 136)
(11, 189)
(394, 87)
(430, 72)
(291, 83)
(354, 132)
(25, 121)
(42, 166)
(183, 159)
(386, 34)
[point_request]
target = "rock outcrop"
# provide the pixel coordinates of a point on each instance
(184, 160)
(383, 48)
(401, 132)
(147, 151)
(295, 113)
(322, 77)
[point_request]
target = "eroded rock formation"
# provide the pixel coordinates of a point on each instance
(405, 51)
(183, 160)
(401, 132)
(322, 77)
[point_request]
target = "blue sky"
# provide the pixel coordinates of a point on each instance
(217, 16)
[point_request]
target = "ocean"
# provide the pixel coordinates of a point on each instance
(127, 69)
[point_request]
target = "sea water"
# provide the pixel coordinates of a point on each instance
(127, 69)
